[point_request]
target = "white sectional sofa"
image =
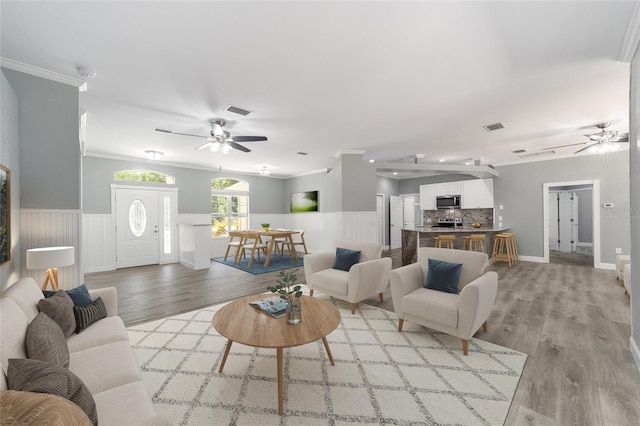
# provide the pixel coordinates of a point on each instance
(100, 355)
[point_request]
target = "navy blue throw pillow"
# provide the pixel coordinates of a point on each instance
(346, 258)
(80, 295)
(443, 276)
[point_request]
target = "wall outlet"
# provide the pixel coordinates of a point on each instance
(499, 218)
(618, 250)
(501, 207)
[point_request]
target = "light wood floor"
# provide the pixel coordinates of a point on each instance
(571, 319)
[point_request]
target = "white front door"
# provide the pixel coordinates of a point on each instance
(395, 221)
(136, 227)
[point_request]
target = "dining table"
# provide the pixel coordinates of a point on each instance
(257, 236)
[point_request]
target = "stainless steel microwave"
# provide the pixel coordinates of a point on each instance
(448, 202)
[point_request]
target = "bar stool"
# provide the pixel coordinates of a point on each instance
(473, 240)
(446, 239)
(502, 249)
(514, 246)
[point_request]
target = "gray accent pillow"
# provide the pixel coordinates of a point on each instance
(59, 308)
(32, 375)
(46, 342)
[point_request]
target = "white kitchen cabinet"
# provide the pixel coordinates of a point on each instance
(449, 188)
(428, 197)
(477, 194)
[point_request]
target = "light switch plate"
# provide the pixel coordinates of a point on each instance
(501, 207)
(618, 250)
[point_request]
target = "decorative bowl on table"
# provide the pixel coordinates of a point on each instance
(475, 225)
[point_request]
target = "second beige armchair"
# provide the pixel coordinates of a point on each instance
(366, 278)
(459, 313)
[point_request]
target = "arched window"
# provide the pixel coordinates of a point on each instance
(143, 176)
(229, 206)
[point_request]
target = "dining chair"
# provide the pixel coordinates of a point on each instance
(285, 242)
(235, 240)
(254, 243)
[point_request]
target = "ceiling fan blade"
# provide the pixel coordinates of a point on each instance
(204, 145)
(623, 137)
(238, 146)
(585, 148)
(249, 138)
(564, 146)
(178, 133)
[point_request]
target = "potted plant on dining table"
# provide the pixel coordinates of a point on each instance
(291, 293)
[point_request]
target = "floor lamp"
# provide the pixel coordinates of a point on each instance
(50, 258)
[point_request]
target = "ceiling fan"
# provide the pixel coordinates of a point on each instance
(219, 139)
(600, 142)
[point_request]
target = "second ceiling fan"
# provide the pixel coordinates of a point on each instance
(602, 142)
(219, 139)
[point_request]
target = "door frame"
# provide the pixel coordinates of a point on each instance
(162, 259)
(381, 225)
(595, 184)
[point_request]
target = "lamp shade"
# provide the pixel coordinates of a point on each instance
(50, 257)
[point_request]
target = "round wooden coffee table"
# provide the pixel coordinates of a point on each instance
(240, 322)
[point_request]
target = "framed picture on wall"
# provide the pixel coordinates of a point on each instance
(5, 214)
(304, 202)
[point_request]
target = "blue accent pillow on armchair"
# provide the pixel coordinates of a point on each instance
(443, 276)
(346, 258)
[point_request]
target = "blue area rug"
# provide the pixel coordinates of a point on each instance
(257, 267)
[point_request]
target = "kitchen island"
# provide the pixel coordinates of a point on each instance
(422, 236)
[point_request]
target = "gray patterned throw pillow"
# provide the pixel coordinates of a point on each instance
(87, 315)
(46, 342)
(32, 375)
(59, 308)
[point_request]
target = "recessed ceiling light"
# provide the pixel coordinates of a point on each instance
(395, 173)
(468, 163)
(372, 161)
(441, 160)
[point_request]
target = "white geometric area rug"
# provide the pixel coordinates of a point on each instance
(381, 376)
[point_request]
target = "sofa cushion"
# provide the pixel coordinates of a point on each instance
(26, 293)
(14, 324)
(87, 315)
(38, 409)
(118, 406)
(80, 295)
(32, 375)
(107, 330)
(443, 276)
(432, 305)
(45, 341)
(346, 258)
(59, 308)
(331, 280)
(106, 366)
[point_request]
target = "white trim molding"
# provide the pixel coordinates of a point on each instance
(41, 72)
(631, 36)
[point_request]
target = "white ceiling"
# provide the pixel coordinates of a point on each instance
(391, 79)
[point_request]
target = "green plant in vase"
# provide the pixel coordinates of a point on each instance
(291, 292)
(265, 226)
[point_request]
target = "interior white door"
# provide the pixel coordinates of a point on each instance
(564, 224)
(380, 217)
(395, 222)
(554, 236)
(574, 221)
(136, 227)
(408, 212)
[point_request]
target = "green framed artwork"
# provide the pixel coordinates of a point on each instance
(304, 202)
(5, 214)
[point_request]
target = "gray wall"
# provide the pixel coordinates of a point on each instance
(49, 143)
(519, 190)
(358, 184)
(634, 178)
(194, 186)
(312, 182)
(10, 158)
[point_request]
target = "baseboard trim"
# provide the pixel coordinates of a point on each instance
(103, 268)
(609, 266)
(635, 351)
(532, 259)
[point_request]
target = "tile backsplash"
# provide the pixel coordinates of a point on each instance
(481, 216)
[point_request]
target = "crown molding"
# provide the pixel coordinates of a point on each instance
(40, 72)
(631, 37)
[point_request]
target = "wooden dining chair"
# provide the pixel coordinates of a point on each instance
(235, 240)
(285, 242)
(254, 243)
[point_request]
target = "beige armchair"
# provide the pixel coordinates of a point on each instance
(460, 314)
(626, 274)
(368, 277)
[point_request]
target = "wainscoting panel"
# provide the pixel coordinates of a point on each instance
(98, 243)
(52, 228)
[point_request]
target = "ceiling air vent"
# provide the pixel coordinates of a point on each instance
(494, 126)
(237, 110)
(302, 153)
(519, 151)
